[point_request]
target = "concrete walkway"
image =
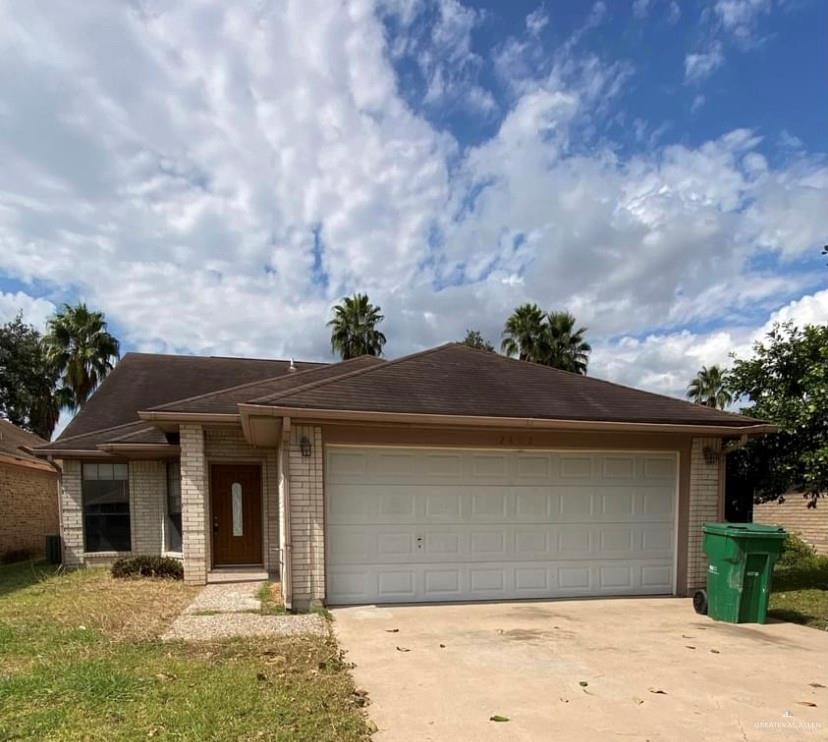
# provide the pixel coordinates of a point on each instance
(226, 610)
(584, 670)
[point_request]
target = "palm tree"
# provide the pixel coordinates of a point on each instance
(709, 388)
(523, 333)
(564, 347)
(354, 328)
(81, 351)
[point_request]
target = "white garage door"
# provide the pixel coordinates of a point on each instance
(408, 525)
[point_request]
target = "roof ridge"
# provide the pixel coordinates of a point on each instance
(218, 357)
(599, 380)
(224, 390)
(145, 429)
(359, 371)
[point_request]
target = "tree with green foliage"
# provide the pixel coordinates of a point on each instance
(709, 388)
(81, 349)
(28, 394)
(550, 338)
(475, 340)
(564, 346)
(523, 333)
(785, 383)
(354, 328)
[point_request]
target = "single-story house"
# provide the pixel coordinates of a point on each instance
(452, 474)
(28, 495)
(794, 514)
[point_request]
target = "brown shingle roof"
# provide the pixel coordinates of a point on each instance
(13, 440)
(144, 380)
(227, 400)
(456, 380)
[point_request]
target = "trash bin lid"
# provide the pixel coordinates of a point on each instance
(745, 530)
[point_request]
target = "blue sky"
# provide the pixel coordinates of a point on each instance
(216, 177)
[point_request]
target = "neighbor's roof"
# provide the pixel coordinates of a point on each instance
(141, 381)
(460, 381)
(14, 443)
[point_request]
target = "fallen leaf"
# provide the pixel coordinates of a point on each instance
(689, 646)
(715, 651)
(638, 700)
(565, 700)
(442, 646)
(583, 683)
(816, 685)
(658, 691)
(807, 703)
(497, 717)
(403, 649)
(392, 631)
(687, 636)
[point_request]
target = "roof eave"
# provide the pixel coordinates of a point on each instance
(177, 418)
(409, 418)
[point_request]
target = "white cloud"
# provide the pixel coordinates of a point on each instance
(537, 20)
(701, 64)
(739, 17)
(35, 311)
(228, 173)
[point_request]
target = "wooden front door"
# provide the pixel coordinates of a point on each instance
(236, 500)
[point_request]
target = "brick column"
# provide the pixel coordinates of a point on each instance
(704, 506)
(307, 514)
(71, 513)
(147, 487)
(194, 509)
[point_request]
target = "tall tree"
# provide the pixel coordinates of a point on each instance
(786, 383)
(354, 328)
(709, 388)
(475, 340)
(81, 349)
(28, 395)
(523, 334)
(563, 346)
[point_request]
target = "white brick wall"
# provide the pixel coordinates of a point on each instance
(704, 507)
(71, 513)
(195, 541)
(307, 515)
(147, 489)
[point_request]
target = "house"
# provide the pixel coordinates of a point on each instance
(28, 495)
(794, 515)
(450, 474)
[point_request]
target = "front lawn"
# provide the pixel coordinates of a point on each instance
(800, 592)
(80, 658)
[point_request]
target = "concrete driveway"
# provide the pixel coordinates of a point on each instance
(592, 669)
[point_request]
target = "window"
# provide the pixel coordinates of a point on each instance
(236, 494)
(172, 528)
(105, 489)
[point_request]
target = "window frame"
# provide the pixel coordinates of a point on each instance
(106, 471)
(165, 525)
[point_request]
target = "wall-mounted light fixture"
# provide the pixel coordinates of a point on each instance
(711, 455)
(305, 446)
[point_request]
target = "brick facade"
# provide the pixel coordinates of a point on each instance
(147, 490)
(194, 511)
(307, 517)
(705, 499)
(794, 515)
(71, 513)
(28, 508)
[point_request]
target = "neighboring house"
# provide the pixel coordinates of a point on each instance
(450, 474)
(28, 495)
(794, 515)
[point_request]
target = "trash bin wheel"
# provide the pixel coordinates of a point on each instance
(700, 602)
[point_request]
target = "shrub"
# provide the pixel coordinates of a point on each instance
(148, 566)
(16, 555)
(795, 552)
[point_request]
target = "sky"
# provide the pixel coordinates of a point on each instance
(216, 176)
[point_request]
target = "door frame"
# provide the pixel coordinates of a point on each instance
(511, 449)
(262, 510)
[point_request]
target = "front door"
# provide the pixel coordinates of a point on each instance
(236, 499)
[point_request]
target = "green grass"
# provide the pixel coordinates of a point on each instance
(800, 590)
(80, 658)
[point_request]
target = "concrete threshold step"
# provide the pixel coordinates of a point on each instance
(217, 576)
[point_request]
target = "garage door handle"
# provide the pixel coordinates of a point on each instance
(419, 542)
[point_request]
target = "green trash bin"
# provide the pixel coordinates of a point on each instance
(741, 558)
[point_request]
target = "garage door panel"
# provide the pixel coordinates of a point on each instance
(438, 525)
